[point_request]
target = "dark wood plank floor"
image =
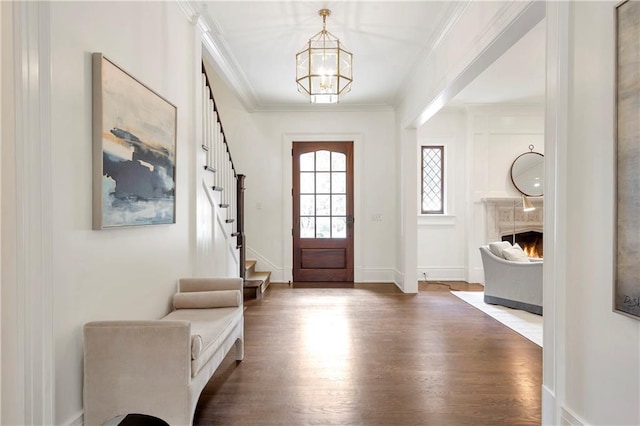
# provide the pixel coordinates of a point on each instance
(361, 356)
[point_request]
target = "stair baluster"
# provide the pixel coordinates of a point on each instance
(218, 159)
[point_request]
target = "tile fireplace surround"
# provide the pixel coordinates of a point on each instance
(499, 216)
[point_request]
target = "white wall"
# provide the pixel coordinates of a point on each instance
(474, 38)
(601, 366)
(497, 135)
(268, 200)
(442, 252)
(494, 136)
(260, 143)
(122, 273)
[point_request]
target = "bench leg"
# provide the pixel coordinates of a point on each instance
(239, 349)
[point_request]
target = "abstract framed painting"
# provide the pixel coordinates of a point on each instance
(626, 295)
(134, 150)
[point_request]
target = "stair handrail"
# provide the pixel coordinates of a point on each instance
(218, 119)
(238, 195)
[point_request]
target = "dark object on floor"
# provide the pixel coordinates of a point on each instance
(136, 420)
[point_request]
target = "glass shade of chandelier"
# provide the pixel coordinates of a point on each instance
(323, 67)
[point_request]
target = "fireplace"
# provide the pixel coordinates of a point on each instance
(530, 241)
(505, 217)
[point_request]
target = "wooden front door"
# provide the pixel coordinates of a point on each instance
(322, 211)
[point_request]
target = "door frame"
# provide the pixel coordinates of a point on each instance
(331, 244)
(287, 202)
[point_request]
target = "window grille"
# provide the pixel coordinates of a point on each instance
(433, 179)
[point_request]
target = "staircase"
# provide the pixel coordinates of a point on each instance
(255, 281)
(227, 189)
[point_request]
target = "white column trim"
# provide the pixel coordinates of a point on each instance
(34, 256)
(555, 220)
(409, 178)
(287, 203)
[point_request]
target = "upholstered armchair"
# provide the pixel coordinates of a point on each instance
(513, 284)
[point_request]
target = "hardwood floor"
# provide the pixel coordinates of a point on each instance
(361, 356)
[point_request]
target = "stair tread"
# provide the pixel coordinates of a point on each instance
(264, 275)
(252, 283)
(249, 264)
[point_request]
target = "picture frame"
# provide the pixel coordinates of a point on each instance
(134, 150)
(626, 294)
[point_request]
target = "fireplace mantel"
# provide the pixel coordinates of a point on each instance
(500, 217)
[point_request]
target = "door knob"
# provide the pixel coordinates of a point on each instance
(350, 220)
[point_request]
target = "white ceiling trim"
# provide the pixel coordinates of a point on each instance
(422, 71)
(454, 11)
(520, 21)
(325, 108)
(188, 10)
(228, 71)
(220, 57)
(227, 64)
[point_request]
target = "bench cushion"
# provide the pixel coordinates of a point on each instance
(209, 328)
(207, 299)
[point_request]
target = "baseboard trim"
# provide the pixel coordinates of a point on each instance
(277, 273)
(568, 418)
(458, 273)
(548, 407)
(476, 275)
(398, 279)
(377, 275)
(363, 275)
(76, 420)
(549, 410)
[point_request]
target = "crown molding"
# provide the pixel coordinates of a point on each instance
(454, 11)
(188, 10)
(510, 24)
(219, 53)
(306, 107)
(516, 108)
(216, 50)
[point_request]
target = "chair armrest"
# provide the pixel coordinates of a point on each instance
(135, 366)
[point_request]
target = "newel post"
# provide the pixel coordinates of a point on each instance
(240, 228)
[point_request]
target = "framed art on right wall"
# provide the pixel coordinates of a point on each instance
(626, 294)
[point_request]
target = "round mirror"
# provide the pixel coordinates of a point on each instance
(527, 173)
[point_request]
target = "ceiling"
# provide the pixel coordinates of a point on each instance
(518, 76)
(255, 42)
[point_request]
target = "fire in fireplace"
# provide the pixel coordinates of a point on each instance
(530, 241)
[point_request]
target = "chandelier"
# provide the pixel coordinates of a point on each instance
(323, 67)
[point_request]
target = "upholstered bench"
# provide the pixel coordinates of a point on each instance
(159, 367)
